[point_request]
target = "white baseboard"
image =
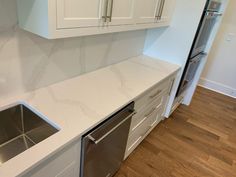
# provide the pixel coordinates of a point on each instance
(218, 87)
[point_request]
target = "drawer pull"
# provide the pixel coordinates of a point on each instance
(156, 94)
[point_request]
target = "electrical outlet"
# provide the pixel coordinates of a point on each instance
(230, 37)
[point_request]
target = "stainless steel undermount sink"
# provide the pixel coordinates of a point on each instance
(20, 129)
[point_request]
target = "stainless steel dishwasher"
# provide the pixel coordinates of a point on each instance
(103, 147)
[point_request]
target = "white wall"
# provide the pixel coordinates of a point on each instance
(220, 71)
(173, 44)
(28, 62)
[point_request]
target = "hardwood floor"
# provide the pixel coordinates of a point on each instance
(197, 141)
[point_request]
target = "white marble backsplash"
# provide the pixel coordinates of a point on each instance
(28, 62)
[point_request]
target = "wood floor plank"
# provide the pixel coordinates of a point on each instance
(196, 141)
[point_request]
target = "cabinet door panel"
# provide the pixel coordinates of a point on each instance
(122, 12)
(65, 163)
(168, 10)
(79, 13)
(147, 10)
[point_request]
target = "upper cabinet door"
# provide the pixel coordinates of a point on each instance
(121, 12)
(147, 10)
(79, 13)
(168, 9)
(71, 18)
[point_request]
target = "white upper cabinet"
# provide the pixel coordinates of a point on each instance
(168, 10)
(121, 12)
(154, 11)
(79, 13)
(147, 10)
(94, 13)
(69, 18)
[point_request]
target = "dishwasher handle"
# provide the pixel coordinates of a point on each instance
(90, 137)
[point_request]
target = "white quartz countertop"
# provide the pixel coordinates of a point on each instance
(79, 104)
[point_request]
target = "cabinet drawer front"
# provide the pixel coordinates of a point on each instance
(151, 95)
(65, 163)
(131, 147)
(150, 121)
(157, 116)
(141, 115)
(136, 137)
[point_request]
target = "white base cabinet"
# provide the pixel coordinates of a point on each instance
(150, 108)
(65, 163)
(69, 18)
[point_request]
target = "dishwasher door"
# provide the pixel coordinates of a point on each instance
(104, 147)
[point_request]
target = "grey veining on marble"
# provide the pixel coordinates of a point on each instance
(121, 79)
(79, 104)
(29, 62)
(74, 103)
